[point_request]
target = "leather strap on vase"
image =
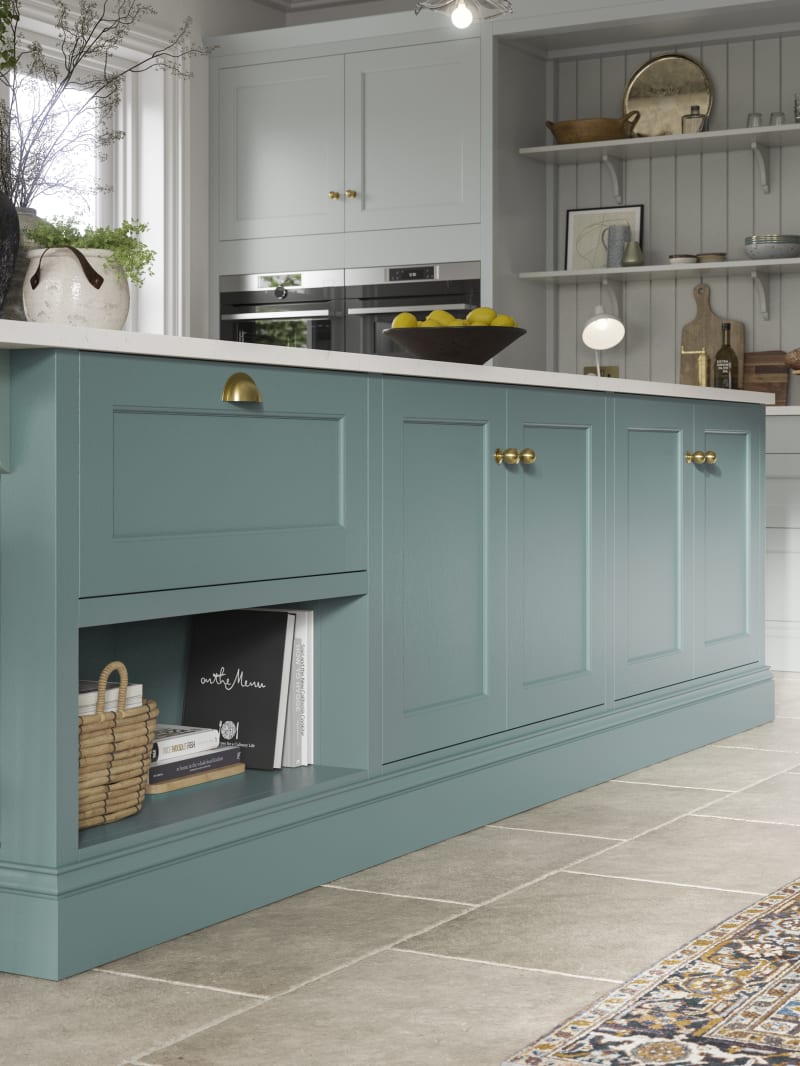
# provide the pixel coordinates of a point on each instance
(94, 279)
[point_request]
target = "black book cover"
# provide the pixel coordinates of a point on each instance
(237, 680)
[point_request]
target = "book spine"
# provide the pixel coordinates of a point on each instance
(297, 754)
(182, 745)
(211, 760)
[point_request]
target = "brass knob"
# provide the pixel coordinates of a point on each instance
(711, 457)
(510, 456)
(333, 195)
(351, 194)
(701, 457)
(527, 456)
(240, 388)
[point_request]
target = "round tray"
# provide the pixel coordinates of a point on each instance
(455, 344)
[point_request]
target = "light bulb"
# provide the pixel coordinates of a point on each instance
(461, 16)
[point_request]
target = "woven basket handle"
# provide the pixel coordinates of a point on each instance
(94, 279)
(105, 673)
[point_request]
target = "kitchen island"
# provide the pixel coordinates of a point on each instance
(523, 584)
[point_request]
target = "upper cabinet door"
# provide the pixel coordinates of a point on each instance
(281, 138)
(413, 136)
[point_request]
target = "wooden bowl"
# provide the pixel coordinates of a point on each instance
(455, 344)
(579, 130)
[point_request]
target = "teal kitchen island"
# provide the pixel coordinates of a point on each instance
(523, 584)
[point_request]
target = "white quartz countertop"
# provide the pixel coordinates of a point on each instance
(17, 335)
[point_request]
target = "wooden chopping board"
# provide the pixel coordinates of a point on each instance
(705, 331)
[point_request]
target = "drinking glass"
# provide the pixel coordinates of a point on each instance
(776, 118)
(754, 118)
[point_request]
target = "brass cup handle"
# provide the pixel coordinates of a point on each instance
(351, 194)
(513, 456)
(240, 388)
(333, 195)
(698, 458)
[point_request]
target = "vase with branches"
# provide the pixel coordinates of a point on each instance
(62, 96)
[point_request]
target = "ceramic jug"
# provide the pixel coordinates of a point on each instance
(614, 240)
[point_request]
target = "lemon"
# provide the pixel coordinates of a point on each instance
(481, 316)
(503, 320)
(441, 318)
(429, 323)
(405, 320)
(459, 322)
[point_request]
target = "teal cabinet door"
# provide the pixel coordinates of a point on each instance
(442, 524)
(181, 489)
(556, 551)
(728, 536)
(653, 585)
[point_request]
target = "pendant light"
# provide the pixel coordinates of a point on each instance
(463, 12)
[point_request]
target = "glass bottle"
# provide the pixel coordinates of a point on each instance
(694, 121)
(726, 364)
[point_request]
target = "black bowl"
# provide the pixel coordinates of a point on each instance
(455, 344)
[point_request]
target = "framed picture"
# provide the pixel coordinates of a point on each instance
(587, 233)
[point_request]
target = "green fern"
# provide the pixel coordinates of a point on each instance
(130, 255)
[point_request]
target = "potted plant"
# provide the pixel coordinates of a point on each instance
(85, 278)
(43, 125)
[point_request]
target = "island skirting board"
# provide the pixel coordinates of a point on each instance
(729, 996)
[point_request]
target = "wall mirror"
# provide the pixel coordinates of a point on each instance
(663, 90)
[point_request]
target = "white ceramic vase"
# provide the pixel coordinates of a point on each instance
(75, 288)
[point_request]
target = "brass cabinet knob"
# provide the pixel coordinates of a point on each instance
(698, 458)
(351, 194)
(333, 195)
(513, 456)
(510, 456)
(240, 388)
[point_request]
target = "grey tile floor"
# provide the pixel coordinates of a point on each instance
(456, 955)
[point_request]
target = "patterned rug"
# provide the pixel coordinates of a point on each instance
(731, 996)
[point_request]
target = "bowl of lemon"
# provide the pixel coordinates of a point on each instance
(474, 339)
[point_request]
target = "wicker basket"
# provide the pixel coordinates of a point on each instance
(114, 749)
(575, 131)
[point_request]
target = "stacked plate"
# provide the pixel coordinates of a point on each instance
(772, 246)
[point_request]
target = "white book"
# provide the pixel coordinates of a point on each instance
(87, 697)
(297, 739)
(180, 741)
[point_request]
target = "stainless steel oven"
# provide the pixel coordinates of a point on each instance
(374, 295)
(301, 310)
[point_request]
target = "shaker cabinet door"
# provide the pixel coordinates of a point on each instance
(653, 584)
(443, 547)
(730, 533)
(556, 555)
(412, 125)
(281, 148)
(182, 489)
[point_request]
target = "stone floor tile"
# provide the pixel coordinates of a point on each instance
(614, 809)
(476, 866)
(274, 948)
(394, 1009)
(707, 852)
(781, 735)
(775, 800)
(720, 766)
(100, 1019)
(570, 923)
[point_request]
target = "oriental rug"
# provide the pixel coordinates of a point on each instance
(730, 996)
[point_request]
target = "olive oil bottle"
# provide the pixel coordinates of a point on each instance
(726, 364)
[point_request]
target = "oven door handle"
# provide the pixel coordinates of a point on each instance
(265, 316)
(396, 309)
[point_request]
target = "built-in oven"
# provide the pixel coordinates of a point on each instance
(374, 295)
(301, 310)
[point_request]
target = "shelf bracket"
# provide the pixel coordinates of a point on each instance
(760, 284)
(763, 164)
(612, 166)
